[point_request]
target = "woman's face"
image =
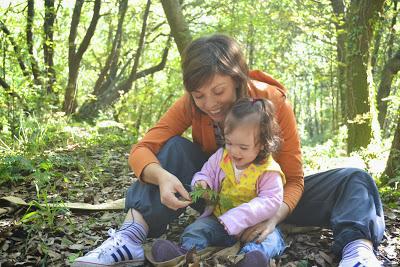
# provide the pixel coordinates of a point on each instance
(216, 97)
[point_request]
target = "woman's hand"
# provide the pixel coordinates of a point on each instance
(168, 184)
(260, 231)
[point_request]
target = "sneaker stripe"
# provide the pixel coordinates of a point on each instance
(121, 255)
(127, 252)
(358, 264)
(115, 257)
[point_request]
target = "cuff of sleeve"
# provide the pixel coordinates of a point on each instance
(139, 159)
(228, 225)
(290, 204)
(200, 178)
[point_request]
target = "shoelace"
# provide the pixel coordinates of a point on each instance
(114, 239)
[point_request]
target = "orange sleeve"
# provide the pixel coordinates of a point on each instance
(175, 121)
(289, 156)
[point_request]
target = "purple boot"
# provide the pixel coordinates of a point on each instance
(254, 258)
(164, 250)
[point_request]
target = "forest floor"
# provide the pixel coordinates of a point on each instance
(49, 236)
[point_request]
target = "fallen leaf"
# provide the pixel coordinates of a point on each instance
(76, 247)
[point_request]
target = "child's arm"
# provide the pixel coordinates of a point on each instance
(209, 171)
(260, 208)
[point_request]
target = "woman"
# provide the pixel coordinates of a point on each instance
(215, 75)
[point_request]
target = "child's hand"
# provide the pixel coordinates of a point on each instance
(201, 184)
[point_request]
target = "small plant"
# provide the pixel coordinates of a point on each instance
(208, 194)
(211, 197)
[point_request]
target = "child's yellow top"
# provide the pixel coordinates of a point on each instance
(235, 193)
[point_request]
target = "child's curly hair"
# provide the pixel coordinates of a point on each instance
(261, 111)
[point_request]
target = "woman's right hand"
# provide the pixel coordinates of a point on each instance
(170, 185)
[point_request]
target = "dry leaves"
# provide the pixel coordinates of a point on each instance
(73, 234)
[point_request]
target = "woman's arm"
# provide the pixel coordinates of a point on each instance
(144, 162)
(175, 121)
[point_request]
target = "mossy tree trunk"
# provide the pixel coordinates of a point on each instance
(359, 27)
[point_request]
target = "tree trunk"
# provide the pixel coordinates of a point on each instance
(75, 56)
(90, 109)
(389, 71)
(359, 22)
(393, 164)
(179, 27)
(392, 30)
(387, 77)
(110, 67)
(29, 41)
(338, 9)
(17, 50)
(377, 45)
(48, 44)
(4, 84)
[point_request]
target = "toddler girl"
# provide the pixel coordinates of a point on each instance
(250, 186)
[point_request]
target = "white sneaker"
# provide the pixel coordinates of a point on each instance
(361, 262)
(115, 251)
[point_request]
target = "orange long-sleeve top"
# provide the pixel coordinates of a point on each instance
(182, 114)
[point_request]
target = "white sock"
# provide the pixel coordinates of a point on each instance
(359, 253)
(135, 231)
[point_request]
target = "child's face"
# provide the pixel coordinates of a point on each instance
(242, 145)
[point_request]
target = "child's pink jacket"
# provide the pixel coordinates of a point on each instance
(264, 206)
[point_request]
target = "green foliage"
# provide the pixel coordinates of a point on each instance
(43, 215)
(211, 197)
(206, 193)
(390, 195)
(13, 168)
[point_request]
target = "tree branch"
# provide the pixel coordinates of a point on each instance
(16, 48)
(89, 33)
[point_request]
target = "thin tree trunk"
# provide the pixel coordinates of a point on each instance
(17, 50)
(29, 41)
(75, 56)
(251, 37)
(377, 45)
(90, 109)
(48, 44)
(179, 27)
(4, 84)
(359, 22)
(333, 94)
(393, 163)
(316, 119)
(309, 120)
(392, 30)
(111, 64)
(389, 66)
(338, 9)
(250, 45)
(389, 71)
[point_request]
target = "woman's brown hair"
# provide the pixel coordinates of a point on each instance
(261, 113)
(210, 55)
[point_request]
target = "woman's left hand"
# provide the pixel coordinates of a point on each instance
(258, 232)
